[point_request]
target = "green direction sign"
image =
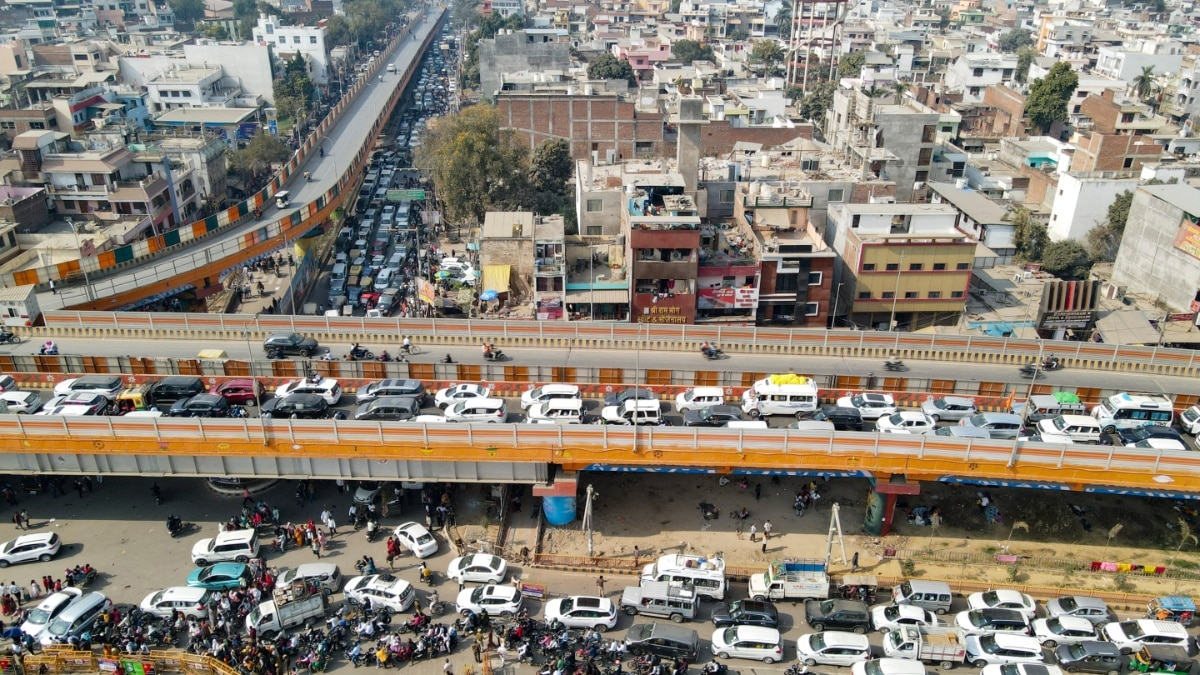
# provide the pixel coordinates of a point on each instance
(405, 195)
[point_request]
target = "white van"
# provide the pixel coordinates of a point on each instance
(282, 198)
(383, 279)
(705, 575)
(699, 397)
(781, 395)
(1076, 428)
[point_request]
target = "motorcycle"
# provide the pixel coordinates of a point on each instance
(495, 355)
(894, 366)
(307, 176)
(8, 337)
(713, 353)
(157, 492)
(1029, 371)
(1051, 364)
(176, 527)
(80, 576)
(709, 511)
(361, 353)
(372, 528)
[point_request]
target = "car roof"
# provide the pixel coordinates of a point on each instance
(958, 400)
(841, 638)
(1099, 647)
(558, 387)
(764, 633)
(1073, 622)
(36, 538)
(1080, 419)
(1012, 640)
(484, 402)
(911, 415)
(1004, 594)
(999, 613)
(1087, 601)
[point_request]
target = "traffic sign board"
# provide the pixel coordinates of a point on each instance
(405, 195)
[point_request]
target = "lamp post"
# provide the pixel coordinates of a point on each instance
(896, 294)
(87, 284)
(837, 299)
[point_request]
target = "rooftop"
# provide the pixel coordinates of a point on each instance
(978, 207)
(1185, 197)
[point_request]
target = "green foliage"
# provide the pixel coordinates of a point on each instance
(908, 567)
(608, 67)
(686, 51)
(814, 102)
(216, 31)
(851, 64)
(368, 18)
(1048, 96)
(675, 5)
(338, 30)
(476, 165)
(1143, 84)
(1016, 39)
(1067, 260)
(783, 21)
(187, 11)
(738, 35)
(256, 158)
(552, 166)
(1025, 57)
(768, 53)
(1030, 238)
(1104, 240)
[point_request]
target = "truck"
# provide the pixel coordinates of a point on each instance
(933, 645)
(290, 605)
(660, 598)
(791, 579)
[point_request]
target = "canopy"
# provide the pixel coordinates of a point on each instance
(495, 278)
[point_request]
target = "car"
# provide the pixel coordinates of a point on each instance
(460, 392)
(1086, 607)
(220, 576)
(1002, 648)
(21, 402)
(1130, 636)
(407, 388)
(870, 406)
(289, 344)
(240, 391)
(191, 600)
(582, 611)
(367, 491)
(40, 547)
(490, 410)
(477, 567)
(325, 387)
(748, 642)
(991, 620)
(1020, 669)
(382, 591)
(200, 405)
(229, 546)
(1062, 630)
(82, 403)
(712, 416)
(887, 617)
(548, 392)
(616, 398)
(1160, 444)
(843, 418)
(833, 648)
(889, 666)
(107, 386)
(325, 575)
(296, 406)
(559, 411)
(416, 539)
(745, 613)
(49, 608)
(838, 614)
(664, 640)
(1130, 436)
(177, 387)
(906, 422)
(1102, 658)
(388, 409)
(1003, 598)
(499, 600)
(948, 407)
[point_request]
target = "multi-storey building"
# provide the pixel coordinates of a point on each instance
(972, 74)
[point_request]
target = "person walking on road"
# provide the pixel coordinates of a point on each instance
(447, 668)
(753, 532)
(477, 650)
(854, 562)
(766, 530)
(600, 584)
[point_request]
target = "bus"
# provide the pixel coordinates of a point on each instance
(1130, 411)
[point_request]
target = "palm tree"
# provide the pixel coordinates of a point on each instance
(1143, 84)
(783, 20)
(899, 88)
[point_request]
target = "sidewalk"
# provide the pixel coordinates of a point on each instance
(275, 285)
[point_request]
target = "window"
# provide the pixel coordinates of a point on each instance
(1128, 162)
(864, 295)
(812, 308)
(962, 266)
(934, 295)
(787, 282)
(928, 135)
(837, 194)
(925, 156)
(868, 267)
(312, 39)
(978, 72)
(8, 125)
(888, 295)
(916, 267)
(726, 196)
(295, 39)
(938, 267)
(815, 278)
(911, 295)
(37, 125)
(595, 205)
(893, 267)
(956, 294)
(922, 176)
(595, 230)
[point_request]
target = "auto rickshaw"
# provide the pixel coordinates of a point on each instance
(134, 398)
(1164, 659)
(859, 587)
(1172, 608)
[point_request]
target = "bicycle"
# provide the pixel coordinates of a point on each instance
(411, 350)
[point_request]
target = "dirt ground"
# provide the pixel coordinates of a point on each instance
(660, 514)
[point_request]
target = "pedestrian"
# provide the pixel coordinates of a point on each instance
(757, 491)
(766, 530)
(764, 545)
(52, 289)
(326, 515)
(477, 651)
(753, 531)
(738, 529)
(332, 524)
(35, 591)
(24, 519)
(600, 584)
(637, 555)
(854, 562)
(502, 652)
(17, 519)
(78, 485)
(316, 548)
(447, 668)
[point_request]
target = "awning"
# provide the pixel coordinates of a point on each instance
(495, 278)
(599, 297)
(1003, 483)
(1126, 327)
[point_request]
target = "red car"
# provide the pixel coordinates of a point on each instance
(240, 391)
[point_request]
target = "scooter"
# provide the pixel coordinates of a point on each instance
(1051, 364)
(1029, 371)
(495, 355)
(894, 365)
(7, 337)
(713, 353)
(361, 354)
(176, 527)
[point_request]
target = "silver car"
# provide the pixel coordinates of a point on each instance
(948, 407)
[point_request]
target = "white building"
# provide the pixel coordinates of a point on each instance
(973, 73)
(1082, 199)
(1126, 64)
(186, 88)
(308, 41)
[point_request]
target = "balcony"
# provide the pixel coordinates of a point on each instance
(78, 191)
(643, 269)
(550, 267)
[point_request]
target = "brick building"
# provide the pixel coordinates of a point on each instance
(1113, 152)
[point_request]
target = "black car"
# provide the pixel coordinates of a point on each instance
(200, 405)
(665, 640)
(619, 397)
(843, 419)
(712, 416)
(746, 613)
(285, 344)
(1130, 436)
(836, 614)
(296, 406)
(393, 408)
(175, 388)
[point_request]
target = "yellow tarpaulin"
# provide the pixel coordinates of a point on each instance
(789, 378)
(495, 278)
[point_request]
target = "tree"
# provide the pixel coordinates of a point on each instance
(1025, 57)
(608, 67)
(476, 165)
(187, 11)
(1067, 259)
(686, 51)
(768, 53)
(1029, 237)
(551, 166)
(216, 31)
(1015, 39)
(1143, 84)
(783, 21)
(1104, 240)
(816, 101)
(338, 30)
(1048, 96)
(851, 64)
(256, 158)
(738, 35)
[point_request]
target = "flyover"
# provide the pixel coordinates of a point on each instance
(195, 255)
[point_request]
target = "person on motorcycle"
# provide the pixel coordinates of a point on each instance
(434, 600)
(307, 175)
(707, 350)
(49, 348)
(487, 351)
(426, 574)
(321, 151)
(1050, 362)
(173, 524)
(384, 356)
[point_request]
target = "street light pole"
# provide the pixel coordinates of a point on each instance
(87, 284)
(837, 300)
(896, 294)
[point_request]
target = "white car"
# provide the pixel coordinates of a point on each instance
(41, 547)
(870, 406)
(107, 386)
(381, 591)
(460, 392)
(887, 617)
(417, 539)
(497, 600)
(1002, 648)
(1158, 444)
(556, 412)
(327, 388)
(477, 567)
(906, 422)
(191, 600)
(1130, 636)
(582, 611)
(548, 392)
(425, 419)
(489, 410)
(1003, 598)
(22, 402)
(748, 642)
(78, 403)
(1064, 630)
(50, 606)
(1021, 669)
(832, 648)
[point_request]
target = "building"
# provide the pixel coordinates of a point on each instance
(1082, 200)
(903, 266)
(186, 88)
(663, 241)
(522, 50)
(983, 219)
(972, 74)
(1112, 114)
(1159, 256)
(309, 42)
(521, 251)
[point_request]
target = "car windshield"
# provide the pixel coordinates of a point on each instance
(873, 667)
(9, 546)
(977, 619)
(1131, 629)
(1054, 626)
(535, 393)
(705, 413)
(424, 538)
(890, 613)
(39, 616)
(1077, 651)
(988, 644)
(729, 635)
(1059, 423)
(858, 400)
(817, 642)
(991, 598)
(58, 627)
(1009, 669)
(1068, 604)
(939, 403)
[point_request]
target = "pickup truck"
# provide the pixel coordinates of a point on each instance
(289, 606)
(791, 579)
(941, 646)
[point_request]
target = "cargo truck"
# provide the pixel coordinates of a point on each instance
(937, 645)
(791, 580)
(290, 605)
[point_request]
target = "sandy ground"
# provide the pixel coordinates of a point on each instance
(659, 514)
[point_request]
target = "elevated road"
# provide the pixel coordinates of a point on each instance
(346, 144)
